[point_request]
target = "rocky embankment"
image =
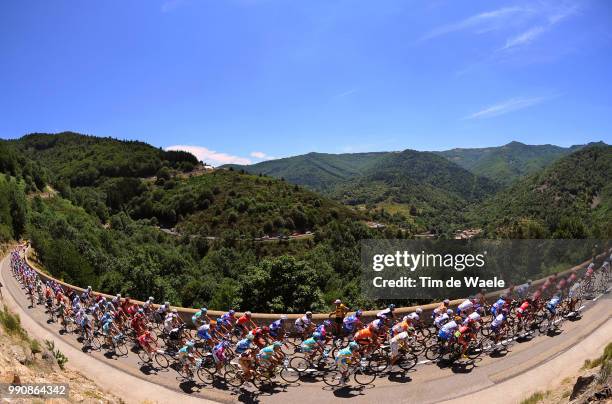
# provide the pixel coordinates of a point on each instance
(24, 360)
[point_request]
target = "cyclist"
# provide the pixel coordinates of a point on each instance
(260, 336)
(148, 305)
(394, 343)
(246, 362)
(447, 331)
(499, 304)
(351, 323)
(322, 328)
(339, 313)
(552, 304)
(522, 290)
(244, 344)
(344, 357)
(303, 324)
(498, 324)
(138, 322)
(464, 334)
(205, 334)
(473, 317)
(386, 315)
(441, 309)
(218, 354)
(443, 318)
(146, 342)
(271, 355)
(186, 355)
(245, 323)
(312, 345)
(466, 307)
(200, 317)
(277, 328)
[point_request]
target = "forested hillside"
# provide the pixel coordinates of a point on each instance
(570, 199)
(432, 189)
(318, 171)
(505, 164)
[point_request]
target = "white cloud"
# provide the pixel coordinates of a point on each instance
(484, 22)
(524, 38)
(170, 5)
(553, 16)
(262, 155)
(211, 157)
(511, 105)
(345, 93)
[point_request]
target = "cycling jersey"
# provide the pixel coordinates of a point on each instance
(302, 323)
(465, 305)
(362, 335)
(275, 327)
(266, 353)
(243, 345)
(400, 327)
(308, 344)
(441, 320)
(473, 317)
(203, 333)
(552, 304)
(447, 330)
(350, 323)
(498, 305)
(498, 321)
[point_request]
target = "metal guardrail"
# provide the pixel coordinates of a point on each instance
(258, 318)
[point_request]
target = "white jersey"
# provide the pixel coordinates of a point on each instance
(440, 320)
(473, 317)
(466, 305)
(450, 326)
(498, 320)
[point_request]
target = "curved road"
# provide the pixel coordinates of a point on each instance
(427, 382)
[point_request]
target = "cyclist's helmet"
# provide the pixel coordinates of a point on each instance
(391, 307)
(89, 288)
(309, 314)
(353, 345)
(317, 335)
(141, 311)
(174, 311)
(204, 310)
(265, 329)
(232, 312)
(167, 304)
(327, 323)
(118, 296)
(337, 301)
(358, 313)
(190, 344)
(418, 310)
(277, 344)
(283, 317)
(250, 337)
(449, 312)
(247, 313)
(151, 298)
(446, 302)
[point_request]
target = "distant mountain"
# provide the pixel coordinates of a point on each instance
(505, 164)
(572, 198)
(82, 160)
(318, 171)
(429, 186)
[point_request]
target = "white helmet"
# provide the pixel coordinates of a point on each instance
(418, 310)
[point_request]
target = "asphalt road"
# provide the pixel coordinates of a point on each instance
(427, 382)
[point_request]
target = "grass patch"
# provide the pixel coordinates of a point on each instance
(536, 397)
(12, 324)
(603, 359)
(35, 346)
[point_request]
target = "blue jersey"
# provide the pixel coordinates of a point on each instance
(243, 345)
(277, 325)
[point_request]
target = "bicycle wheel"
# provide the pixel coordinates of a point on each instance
(206, 376)
(378, 361)
(144, 356)
(407, 361)
(121, 347)
(433, 352)
(233, 378)
(475, 349)
(162, 360)
(364, 376)
(332, 378)
(96, 343)
(299, 363)
(289, 374)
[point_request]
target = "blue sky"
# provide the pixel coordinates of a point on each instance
(246, 80)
